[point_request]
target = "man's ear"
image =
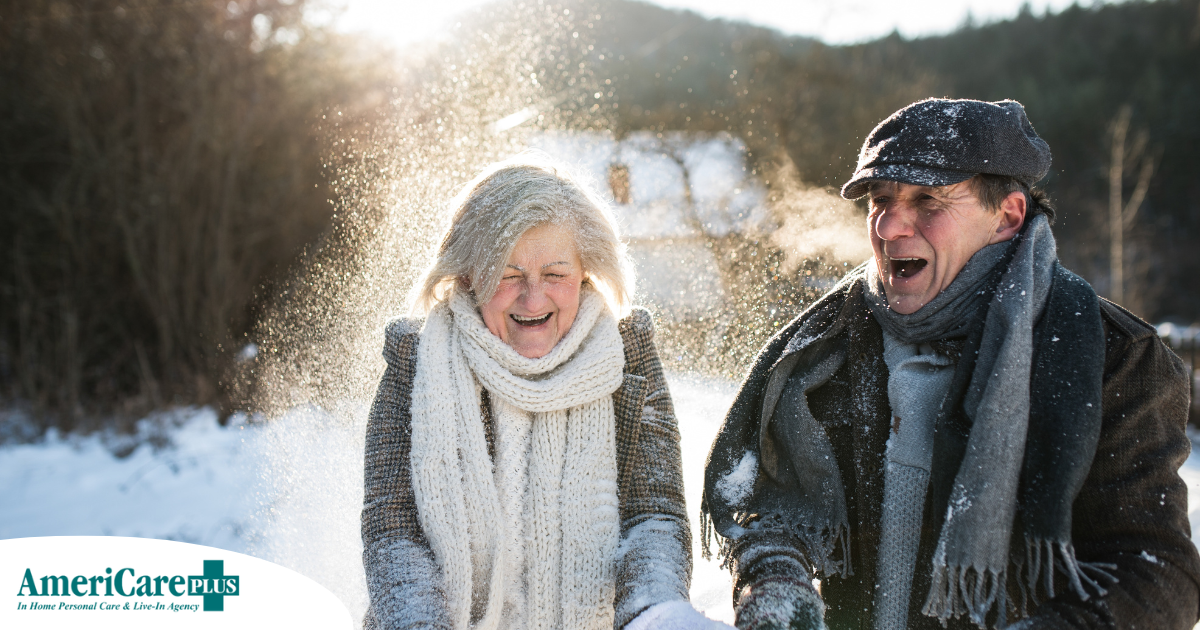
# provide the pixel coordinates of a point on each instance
(1012, 217)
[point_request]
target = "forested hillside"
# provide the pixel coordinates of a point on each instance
(164, 164)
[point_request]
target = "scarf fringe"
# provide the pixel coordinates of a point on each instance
(1042, 558)
(964, 590)
(822, 546)
(958, 590)
(707, 535)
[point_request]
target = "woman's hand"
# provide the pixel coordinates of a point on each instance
(676, 615)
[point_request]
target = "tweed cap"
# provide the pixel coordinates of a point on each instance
(938, 142)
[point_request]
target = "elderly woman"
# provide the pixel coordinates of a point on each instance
(522, 456)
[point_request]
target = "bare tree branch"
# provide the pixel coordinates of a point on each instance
(1139, 193)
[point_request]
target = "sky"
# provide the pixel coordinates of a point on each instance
(832, 21)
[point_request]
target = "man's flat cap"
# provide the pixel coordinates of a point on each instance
(938, 142)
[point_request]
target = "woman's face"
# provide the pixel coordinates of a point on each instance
(538, 296)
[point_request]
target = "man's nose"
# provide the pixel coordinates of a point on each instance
(895, 221)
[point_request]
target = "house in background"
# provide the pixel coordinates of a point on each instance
(674, 195)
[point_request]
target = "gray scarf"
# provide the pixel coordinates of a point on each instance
(972, 557)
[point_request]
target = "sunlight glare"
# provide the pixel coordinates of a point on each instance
(405, 22)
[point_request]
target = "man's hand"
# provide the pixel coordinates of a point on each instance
(780, 604)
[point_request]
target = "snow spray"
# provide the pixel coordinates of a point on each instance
(466, 100)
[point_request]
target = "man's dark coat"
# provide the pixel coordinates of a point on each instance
(1131, 511)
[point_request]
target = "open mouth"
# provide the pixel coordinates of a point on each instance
(531, 321)
(907, 267)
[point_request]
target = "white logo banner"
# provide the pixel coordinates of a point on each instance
(132, 583)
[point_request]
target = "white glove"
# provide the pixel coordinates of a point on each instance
(676, 615)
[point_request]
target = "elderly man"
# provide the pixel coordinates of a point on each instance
(961, 433)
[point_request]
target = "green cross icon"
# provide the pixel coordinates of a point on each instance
(214, 585)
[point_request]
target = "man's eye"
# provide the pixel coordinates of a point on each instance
(879, 201)
(509, 278)
(556, 276)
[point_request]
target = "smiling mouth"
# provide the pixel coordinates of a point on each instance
(907, 267)
(531, 321)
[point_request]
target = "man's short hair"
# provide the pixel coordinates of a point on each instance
(991, 190)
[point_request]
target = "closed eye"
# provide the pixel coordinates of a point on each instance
(930, 203)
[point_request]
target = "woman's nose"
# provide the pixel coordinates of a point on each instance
(534, 294)
(894, 221)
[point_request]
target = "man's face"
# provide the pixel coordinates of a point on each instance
(922, 237)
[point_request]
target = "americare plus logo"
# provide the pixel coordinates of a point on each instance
(212, 585)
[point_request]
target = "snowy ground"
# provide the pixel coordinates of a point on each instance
(287, 491)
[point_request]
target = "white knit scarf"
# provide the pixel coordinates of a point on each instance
(531, 542)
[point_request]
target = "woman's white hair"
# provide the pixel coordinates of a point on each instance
(493, 211)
